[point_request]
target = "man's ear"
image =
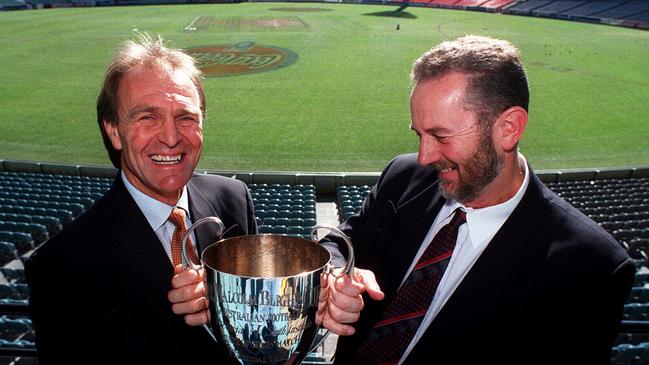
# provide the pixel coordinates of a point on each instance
(113, 134)
(510, 127)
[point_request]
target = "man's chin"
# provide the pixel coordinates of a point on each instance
(446, 189)
(173, 184)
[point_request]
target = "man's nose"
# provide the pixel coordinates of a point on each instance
(428, 152)
(169, 134)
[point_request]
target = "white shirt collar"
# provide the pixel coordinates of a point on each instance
(483, 223)
(155, 211)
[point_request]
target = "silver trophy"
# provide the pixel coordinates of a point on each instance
(263, 292)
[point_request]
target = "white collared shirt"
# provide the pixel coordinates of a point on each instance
(157, 214)
(473, 237)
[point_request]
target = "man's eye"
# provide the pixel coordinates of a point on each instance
(441, 139)
(186, 119)
(146, 117)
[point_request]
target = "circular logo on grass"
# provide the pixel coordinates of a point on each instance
(241, 58)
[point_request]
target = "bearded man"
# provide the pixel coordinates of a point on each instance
(477, 261)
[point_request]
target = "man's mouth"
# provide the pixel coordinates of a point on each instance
(444, 167)
(166, 160)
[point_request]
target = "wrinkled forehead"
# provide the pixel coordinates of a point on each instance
(156, 81)
(163, 77)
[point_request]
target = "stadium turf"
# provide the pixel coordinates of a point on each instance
(342, 105)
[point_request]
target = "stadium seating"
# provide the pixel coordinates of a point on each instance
(631, 13)
(444, 3)
(8, 252)
(553, 8)
(35, 206)
(587, 10)
(495, 5)
(526, 7)
(23, 242)
(627, 10)
(350, 199)
(284, 209)
(16, 333)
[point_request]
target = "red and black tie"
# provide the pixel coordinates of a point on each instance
(391, 336)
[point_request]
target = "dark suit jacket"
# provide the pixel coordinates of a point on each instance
(99, 288)
(548, 289)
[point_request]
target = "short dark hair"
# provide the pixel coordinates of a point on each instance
(143, 51)
(496, 77)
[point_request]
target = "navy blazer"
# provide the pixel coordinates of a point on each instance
(98, 289)
(548, 289)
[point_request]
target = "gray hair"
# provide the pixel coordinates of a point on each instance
(496, 77)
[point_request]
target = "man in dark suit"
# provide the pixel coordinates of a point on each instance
(522, 278)
(99, 289)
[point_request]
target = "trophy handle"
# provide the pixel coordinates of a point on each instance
(187, 263)
(185, 260)
(347, 270)
(349, 267)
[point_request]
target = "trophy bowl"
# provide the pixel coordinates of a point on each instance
(263, 293)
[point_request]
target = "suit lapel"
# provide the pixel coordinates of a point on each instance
(140, 248)
(200, 207)
(415, 213)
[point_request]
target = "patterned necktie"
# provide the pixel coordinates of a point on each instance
(390, 337)
(177, 217)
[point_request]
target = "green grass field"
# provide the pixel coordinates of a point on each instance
(343, 106)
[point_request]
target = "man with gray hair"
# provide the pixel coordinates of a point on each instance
(479, 262)
(103, 285)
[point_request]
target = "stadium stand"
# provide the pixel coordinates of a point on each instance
(556, 7)
(627, 10)
(284, 209)
(526, 7)
(628, 13)
(350, 199)
(444, 3)
(34, 206)
(495, 5)
(586, 10)
(13, 5)
(470, 4)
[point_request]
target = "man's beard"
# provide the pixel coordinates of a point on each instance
(476, 173)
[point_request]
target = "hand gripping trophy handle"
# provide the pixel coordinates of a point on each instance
(185, 258)
(347, 270)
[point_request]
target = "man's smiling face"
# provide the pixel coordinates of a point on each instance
(159, 132)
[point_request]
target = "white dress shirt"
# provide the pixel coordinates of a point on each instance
(473, 237)
(157, 214)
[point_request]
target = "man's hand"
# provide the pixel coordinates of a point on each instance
(341, 299)
(188, 295)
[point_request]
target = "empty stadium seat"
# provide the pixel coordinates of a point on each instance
(295, 230)
(264, 228)
(8, 252)
(13, 274)
(626, 354)
(280, 230)
(23, 241)
(641, 279)
(17, 329)
(53, 224)
(636, 311)
(638, 295)
(38, 231)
